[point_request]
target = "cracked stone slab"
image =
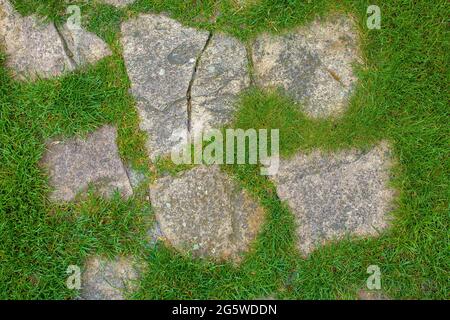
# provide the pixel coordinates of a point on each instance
(37, 49)
(203, 211)
(154, 234)
(105, 279)
(313, 64)
(74, 164)
(160, 56)
(221, 75)
(333, 195)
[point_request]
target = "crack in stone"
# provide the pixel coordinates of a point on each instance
(191, 82)
(250, 64)
(126, 168)
(69, 54)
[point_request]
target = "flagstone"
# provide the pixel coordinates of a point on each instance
(338, 194)
(36, 49)
(160, 56)
(74, 164)
(105, 279)
(205, 212)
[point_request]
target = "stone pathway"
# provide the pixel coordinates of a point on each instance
(203, 211)
(184, 81)
(344, 193)
(35, 49)
(74, 164)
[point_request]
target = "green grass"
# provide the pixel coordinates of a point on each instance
(402, 96)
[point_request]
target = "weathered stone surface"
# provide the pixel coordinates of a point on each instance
(84, 47)
(135, 177)
(313, 65)
(104, 279)
(74, 164)
(336, 194)
(154, 234)
(184, 80)
(244, 3)
(221, 74)
(160, 56)
(203, 211)
(36, 49)
(119, 3)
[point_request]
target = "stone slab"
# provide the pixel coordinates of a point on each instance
(372, 295)
(313, 64)
(136, 177)
(74, 164)
(203, 211)
(104, 279)
(118, 3)
(160, 56)
(221, 75)
(333, 195)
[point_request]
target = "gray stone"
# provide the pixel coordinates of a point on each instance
(118, 3)
(37, 49)
(105, 279)
(241, 4)
(160, 56)
(74, 164)
(333, 195)
(313, 64)
(84, 47)
(135, 177)
(32, 47)
(204, 211)
(221, 75)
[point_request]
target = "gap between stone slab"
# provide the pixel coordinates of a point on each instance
(191, 82)
(250, 64)
(67, 51)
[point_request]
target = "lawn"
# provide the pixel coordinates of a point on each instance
(402, 97)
